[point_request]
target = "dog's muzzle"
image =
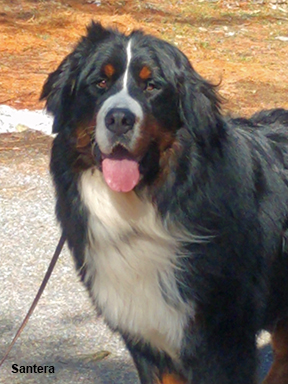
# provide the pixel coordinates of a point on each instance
(120, 121)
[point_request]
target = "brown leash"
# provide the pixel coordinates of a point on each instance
(37, 297)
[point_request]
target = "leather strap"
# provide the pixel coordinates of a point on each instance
(37, 297)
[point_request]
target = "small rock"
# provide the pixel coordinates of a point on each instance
(282, 38)
(21, 128)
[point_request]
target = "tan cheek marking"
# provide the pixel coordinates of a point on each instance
(109, 70)
(171, 379)
(83, 144)
(152, 131)
(84, 136)
(145, 73)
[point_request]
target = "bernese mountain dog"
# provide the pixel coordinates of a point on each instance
(176, 215)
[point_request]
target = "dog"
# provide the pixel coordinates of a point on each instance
(176, 215)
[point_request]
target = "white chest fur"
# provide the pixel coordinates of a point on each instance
(130, 262)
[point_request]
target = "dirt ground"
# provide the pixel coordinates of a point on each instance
(243, 44)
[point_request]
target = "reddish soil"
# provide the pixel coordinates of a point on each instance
(242, 44)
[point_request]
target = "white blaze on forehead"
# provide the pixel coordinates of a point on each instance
(121, 99)
(129, 57)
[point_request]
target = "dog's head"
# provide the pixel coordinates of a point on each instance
(131, 104)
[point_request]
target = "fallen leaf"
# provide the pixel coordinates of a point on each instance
(101, 355)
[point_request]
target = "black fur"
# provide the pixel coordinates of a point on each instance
(227, 180)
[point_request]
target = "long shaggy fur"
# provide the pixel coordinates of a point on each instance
(192, 262)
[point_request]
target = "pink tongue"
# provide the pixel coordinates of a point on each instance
(121, 175)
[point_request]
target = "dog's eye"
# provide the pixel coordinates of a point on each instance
(102, 84)
(150, 86)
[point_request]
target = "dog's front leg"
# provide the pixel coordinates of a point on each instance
(220, 356)
(153, 367)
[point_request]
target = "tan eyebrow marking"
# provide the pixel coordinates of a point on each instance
(145, 73)
(109, 70)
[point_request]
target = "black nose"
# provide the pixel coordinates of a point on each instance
(120, 120)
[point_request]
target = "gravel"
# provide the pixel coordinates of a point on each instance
(64, 331)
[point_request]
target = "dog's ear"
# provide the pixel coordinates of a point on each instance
(59, 87)
(57, 91)
(199, 104)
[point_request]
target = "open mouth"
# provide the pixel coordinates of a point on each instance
(120, 170)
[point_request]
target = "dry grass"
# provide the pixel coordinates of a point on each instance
(236, 42)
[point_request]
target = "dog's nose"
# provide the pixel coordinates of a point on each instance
(120, 120)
